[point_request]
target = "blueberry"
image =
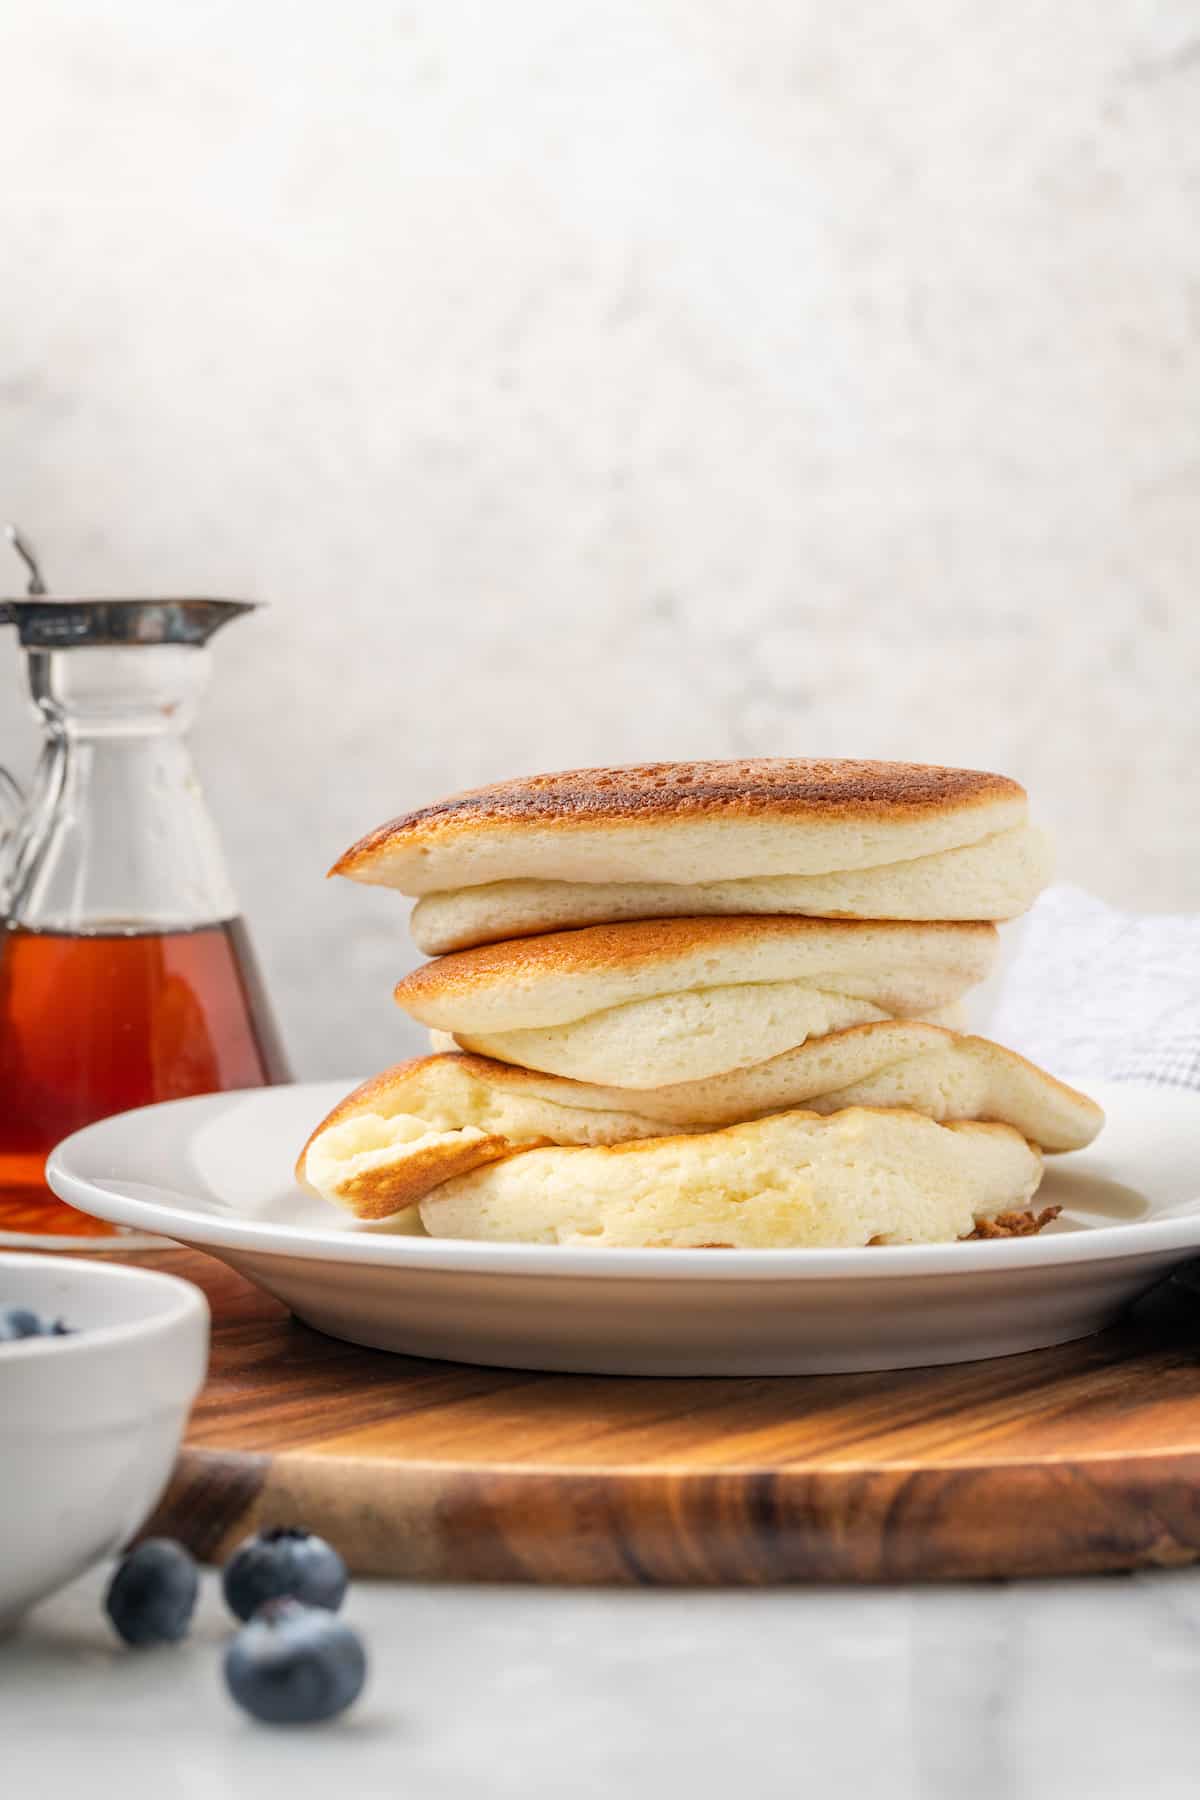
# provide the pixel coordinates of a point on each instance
(295, 1665)
(23, 1322)
(152, 1596)
(283, 1564)
(19, 1322)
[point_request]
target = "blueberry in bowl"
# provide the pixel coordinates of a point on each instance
(17, 1322)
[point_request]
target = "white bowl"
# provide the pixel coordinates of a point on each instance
(90, 1423)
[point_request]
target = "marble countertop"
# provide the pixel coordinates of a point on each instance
(1038, 1691)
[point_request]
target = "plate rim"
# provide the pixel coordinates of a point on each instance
(1116, 1243)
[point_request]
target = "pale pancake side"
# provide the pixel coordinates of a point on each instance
(997, 878)
(789, 1181)
(697, 1034)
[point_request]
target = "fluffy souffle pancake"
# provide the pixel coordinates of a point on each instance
(679, 824)
(655, 1002)
(401, 1134)
(793, 1180)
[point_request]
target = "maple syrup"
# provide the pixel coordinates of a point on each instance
(92, 1023)
(126, 976)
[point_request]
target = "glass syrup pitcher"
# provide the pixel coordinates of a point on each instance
(126, 975)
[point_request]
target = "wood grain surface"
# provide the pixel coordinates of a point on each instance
(1078, 1459)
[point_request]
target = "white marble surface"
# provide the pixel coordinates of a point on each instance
(1085, 1690)
(585, 380)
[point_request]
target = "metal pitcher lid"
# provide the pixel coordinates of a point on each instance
(58, 624)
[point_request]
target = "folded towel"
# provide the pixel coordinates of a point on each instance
(1092, 991)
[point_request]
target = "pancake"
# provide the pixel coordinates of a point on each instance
(999, 877)
(566, 975)
(793, 1180)
(657, 1002)
(686, 823)
(398, 1136)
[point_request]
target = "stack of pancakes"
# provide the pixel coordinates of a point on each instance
(701, 1004)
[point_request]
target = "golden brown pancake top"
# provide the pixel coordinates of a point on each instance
(794, 789)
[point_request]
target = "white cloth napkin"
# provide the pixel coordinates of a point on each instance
(1091, 991)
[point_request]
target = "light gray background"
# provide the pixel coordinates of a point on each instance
(585, 380)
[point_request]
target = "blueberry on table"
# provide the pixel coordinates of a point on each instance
(283, 1564)
(152, 1596)
(295, 1665)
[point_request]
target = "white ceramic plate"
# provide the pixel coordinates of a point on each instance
(215, 1173)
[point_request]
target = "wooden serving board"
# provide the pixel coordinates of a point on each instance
(1077, 1459)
